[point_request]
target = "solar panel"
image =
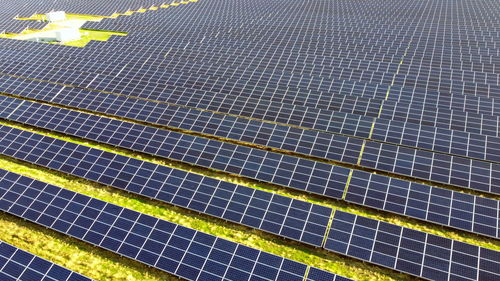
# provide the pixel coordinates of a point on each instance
(205, 67)
(410, 251)
(446, 207)
(465, 103)
(202, 102)
(134, 235)
(179, 250)
(480, 124)
(394, 94)
(442, 168)
(320, 48)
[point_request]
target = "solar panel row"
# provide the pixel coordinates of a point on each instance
(465, 103)
(341, 80)
(19, 265)
(471, 104)
(250, 162)
(271, 29)
(407, 134)
(142, 19)
(371, 72)
(454, 209)
(441, 168)
(480, 124)
(451, 208)
(157, 82)
(182, 251)
(470, 152)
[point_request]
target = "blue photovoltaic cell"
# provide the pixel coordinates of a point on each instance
(442, 168)
(340, 149)
(405, 161)
(443, 118)
(19, 265)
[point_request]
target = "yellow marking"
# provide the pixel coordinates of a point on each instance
(76, 21)
(361, 152)
(306, 273)
(379, 111)
(69, 16)
(371, 130)
(347, 185)
(92, 35)
(328, 226)
(388, 90)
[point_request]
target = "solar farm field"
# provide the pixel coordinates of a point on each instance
(291, 140)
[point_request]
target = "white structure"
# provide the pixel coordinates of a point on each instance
(67, 35)
(56, 16)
